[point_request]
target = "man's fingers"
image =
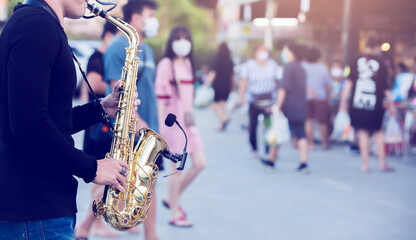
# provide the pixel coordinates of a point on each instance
(118, 186)
(117, 86)
(123, 164)
(122, 180)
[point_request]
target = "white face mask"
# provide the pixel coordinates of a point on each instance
(262, 55)
(151, 27)
(181, 47)
(337, 72)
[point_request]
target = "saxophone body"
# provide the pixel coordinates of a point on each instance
(123, 211)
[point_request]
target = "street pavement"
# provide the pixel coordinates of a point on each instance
(236, 197)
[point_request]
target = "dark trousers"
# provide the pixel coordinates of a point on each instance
(254, 113)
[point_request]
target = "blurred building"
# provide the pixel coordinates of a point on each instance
(338, 26)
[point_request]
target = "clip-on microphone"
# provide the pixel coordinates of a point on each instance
(174, 157)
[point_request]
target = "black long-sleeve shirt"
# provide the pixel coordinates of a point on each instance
(37, 155)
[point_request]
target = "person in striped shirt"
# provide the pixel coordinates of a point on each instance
(258, 89)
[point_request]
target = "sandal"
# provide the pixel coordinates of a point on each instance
(387, 169)
(166, 204)
(223, 126)
(180, 222)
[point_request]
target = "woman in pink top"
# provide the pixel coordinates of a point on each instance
(175, 92)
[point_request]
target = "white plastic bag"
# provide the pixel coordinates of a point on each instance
(279, 131)
(203, 96)
(393, 132)
(342, 127)
(232, 101)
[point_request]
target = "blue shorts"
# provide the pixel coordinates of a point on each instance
(297, 129)
(52, 228)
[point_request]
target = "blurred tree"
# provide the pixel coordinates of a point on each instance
(12, 3)
(200, 21)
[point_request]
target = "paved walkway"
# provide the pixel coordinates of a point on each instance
(237, 198)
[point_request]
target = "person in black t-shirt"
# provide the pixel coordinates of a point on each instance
(221, 78)
(368, 81)
(38, 160)
(291, 99)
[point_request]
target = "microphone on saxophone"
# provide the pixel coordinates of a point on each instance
(169, 121)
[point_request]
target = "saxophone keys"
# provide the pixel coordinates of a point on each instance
(146, 173)
(142, 194)
(98, 208)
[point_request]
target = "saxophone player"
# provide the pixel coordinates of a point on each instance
(38, 160)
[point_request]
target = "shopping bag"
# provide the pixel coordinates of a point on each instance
(279, 131)
(203, 96)
(342, 127)
(393, 132)
(232, 101)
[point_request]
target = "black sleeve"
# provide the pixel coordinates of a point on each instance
(34, 49)
(85, 116)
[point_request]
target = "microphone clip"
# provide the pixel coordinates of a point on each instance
(175, 157)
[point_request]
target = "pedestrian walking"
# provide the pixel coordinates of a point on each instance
(259, 81)
(291, 99)
(368, 83)
(318, 90)
(221, 78)
(175, 91)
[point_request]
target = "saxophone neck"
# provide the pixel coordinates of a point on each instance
(126, 28)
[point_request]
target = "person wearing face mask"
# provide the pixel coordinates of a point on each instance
(175, 91)
(140, 14)
(259, 80)
(291, 100)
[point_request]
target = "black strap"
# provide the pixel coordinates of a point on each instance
(96, 101)
(42, 4)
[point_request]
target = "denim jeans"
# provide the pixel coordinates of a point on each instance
(46, 229)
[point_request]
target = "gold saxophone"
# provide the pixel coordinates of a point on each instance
(123, 211)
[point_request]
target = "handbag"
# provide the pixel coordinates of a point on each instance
(263, 100)
(189, 119)
(189, 116)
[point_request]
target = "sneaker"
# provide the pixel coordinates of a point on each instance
(267, 162)
(303, 168)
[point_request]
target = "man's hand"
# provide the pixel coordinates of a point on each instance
(110, 102)
(392, 110)
(108, 173)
